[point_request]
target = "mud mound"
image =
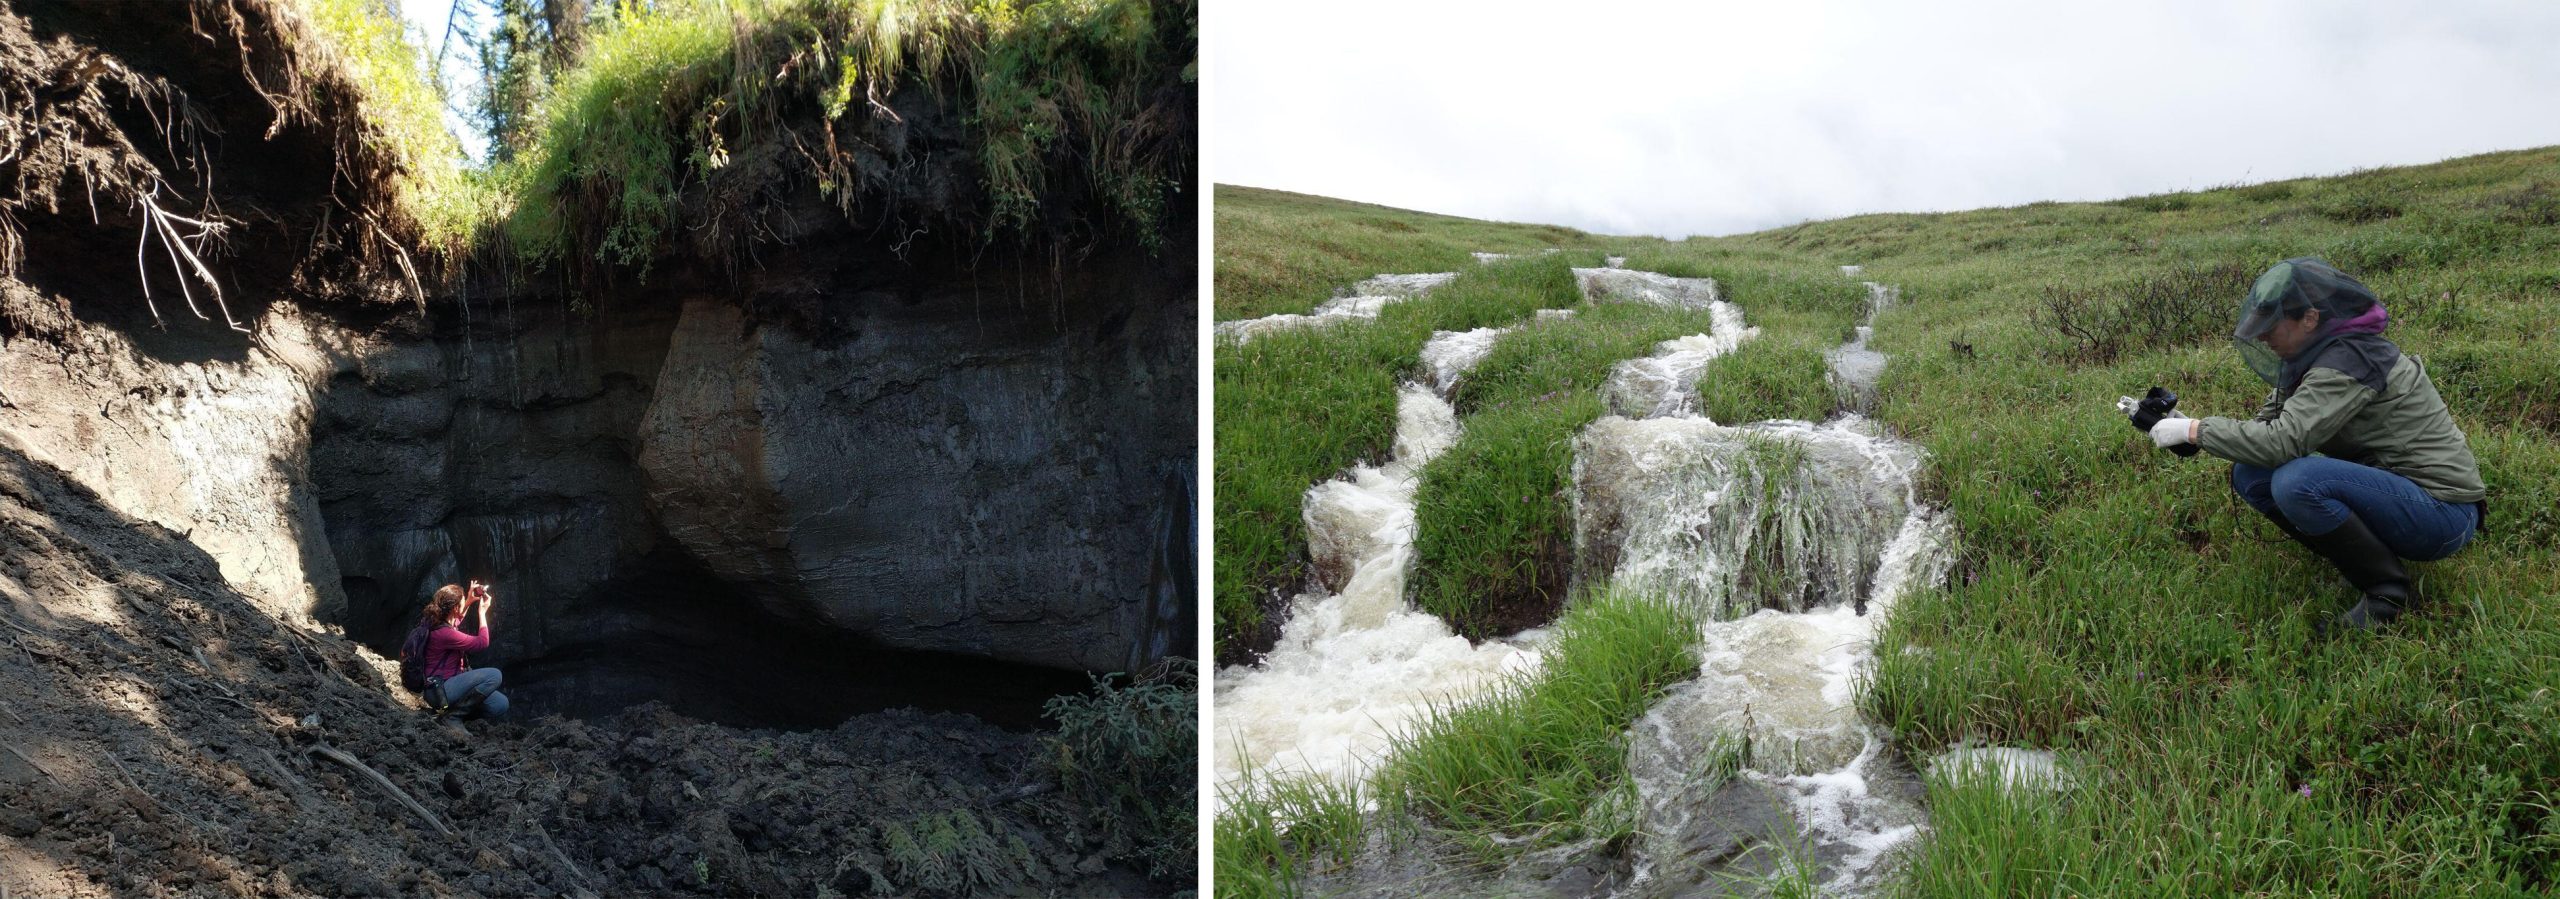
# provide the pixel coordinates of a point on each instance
(160, 738)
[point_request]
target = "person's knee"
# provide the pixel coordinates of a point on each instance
(2294, 482)
(2250, 482)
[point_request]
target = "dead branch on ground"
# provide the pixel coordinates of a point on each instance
(341, 757)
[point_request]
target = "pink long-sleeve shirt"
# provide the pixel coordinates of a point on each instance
(446, 647)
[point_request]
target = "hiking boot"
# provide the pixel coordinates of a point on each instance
(2371, 566)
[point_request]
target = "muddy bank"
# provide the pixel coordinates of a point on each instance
(161, 731)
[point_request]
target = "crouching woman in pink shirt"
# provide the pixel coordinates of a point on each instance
(452, 686)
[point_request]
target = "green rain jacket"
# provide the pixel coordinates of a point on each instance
(2403, 428)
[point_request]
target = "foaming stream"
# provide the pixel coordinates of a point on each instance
(1791, 540)
(1355, 665)
(1366, 299)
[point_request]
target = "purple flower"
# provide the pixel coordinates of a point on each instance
(2305, 791)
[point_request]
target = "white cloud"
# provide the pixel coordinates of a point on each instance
(1720, 117)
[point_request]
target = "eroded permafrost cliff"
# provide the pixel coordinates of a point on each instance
(876, 419)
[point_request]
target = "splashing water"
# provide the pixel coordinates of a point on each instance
(1366, 299)
(1792, 540)
(1357, 667)
(1603, 285)
(1666, 383)
(1855, 368)
(1403, 285)
(1783, 514)
(1452, 353)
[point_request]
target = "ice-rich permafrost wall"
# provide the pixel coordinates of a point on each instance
(950, 446)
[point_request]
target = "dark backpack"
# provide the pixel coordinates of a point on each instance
(413, 659)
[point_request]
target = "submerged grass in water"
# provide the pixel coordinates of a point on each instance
(1534, 759)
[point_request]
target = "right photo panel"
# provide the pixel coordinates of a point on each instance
(1858, 449)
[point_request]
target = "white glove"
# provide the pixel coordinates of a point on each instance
(2173, 431)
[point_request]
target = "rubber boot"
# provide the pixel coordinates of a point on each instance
(2371, 566)
(2297, 536)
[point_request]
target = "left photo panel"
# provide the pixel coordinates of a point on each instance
(595, 448)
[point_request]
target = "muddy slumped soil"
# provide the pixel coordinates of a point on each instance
(160, 734)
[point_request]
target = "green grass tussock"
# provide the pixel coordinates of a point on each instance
(1767, 379)
(1493, 532)
(1274, 833)
(1542, 759)
(1536, 759)
(1296, 408)
(1285, 252)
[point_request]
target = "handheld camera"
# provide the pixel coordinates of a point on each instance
(2155, 405)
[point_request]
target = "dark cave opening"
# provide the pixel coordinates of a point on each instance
(707, 650)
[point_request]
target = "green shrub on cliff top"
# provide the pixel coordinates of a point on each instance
(403, 114)
(666, 97)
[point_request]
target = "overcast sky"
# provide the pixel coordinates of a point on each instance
(1722, 117)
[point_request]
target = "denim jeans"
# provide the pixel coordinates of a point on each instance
(475, 692)
(2317, 493)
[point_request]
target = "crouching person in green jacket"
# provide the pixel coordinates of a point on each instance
(2393, 478)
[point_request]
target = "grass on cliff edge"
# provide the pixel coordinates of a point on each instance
(670, 95)
(666, 94)
(2117, 604)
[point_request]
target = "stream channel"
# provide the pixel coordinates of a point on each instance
(1791, 539)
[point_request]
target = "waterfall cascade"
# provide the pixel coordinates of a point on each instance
(1356, 665)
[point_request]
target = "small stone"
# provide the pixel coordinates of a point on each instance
(1092, 864)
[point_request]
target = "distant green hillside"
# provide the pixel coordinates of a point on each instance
(1285, 252)
(2109, 600)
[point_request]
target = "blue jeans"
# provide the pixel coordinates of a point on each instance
(475, 692)
(2317, 493)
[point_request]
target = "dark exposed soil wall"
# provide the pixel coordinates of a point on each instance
(933, 453)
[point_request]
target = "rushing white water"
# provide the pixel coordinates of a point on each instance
(1403, 285)
(1855, 368)
(1614, 262)
(1482, 258)
(1604, 285)
(1451, 353)
(1786, 683)
(1792, 540)
(1666, 383)
(1366, 299)
(1355, 666)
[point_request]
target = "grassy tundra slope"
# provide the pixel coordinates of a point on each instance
(1285, 252)
(2111, 601)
